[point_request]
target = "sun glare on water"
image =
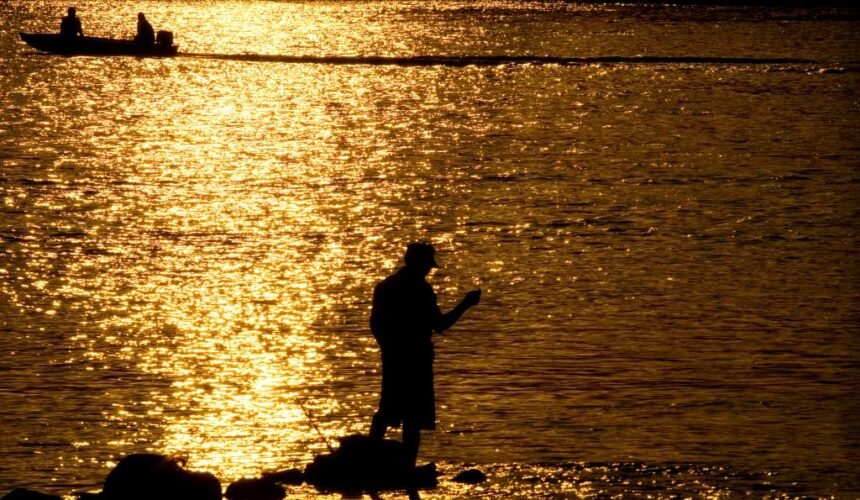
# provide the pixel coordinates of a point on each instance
(220, 283)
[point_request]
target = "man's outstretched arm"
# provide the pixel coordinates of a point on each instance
(448, 319)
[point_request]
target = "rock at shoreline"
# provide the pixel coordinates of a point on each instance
(293, 477)
(25, 494)
(362, 464)
(359, 465)
(470, 476)
(254, 489)
(147, 476)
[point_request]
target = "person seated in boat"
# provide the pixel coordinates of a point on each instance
(70, 26)
(145, 33)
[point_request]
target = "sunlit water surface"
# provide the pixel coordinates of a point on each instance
(668, 252)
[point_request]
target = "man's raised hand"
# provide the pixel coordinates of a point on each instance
(472, 298)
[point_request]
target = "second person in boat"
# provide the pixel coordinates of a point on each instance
(70, 26)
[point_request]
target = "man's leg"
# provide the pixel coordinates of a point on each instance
(377, 427)
(411, 439)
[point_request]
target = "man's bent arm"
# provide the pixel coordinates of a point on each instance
(448, 319)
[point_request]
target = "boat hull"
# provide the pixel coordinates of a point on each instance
(95, 46)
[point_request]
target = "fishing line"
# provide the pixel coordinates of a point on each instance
(314, 425)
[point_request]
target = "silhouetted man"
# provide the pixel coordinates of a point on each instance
(145, 33)
(70, 26)
(403, 318)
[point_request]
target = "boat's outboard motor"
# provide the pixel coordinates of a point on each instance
(164, 38)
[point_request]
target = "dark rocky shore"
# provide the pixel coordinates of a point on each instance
(359, 465)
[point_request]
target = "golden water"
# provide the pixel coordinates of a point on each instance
(667, 251)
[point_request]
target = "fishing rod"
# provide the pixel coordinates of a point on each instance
(314, 425)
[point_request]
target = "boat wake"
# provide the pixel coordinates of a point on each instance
(501, 60)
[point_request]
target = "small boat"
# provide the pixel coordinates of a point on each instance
(95, 46)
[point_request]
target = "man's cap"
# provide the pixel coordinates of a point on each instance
(419, 254)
